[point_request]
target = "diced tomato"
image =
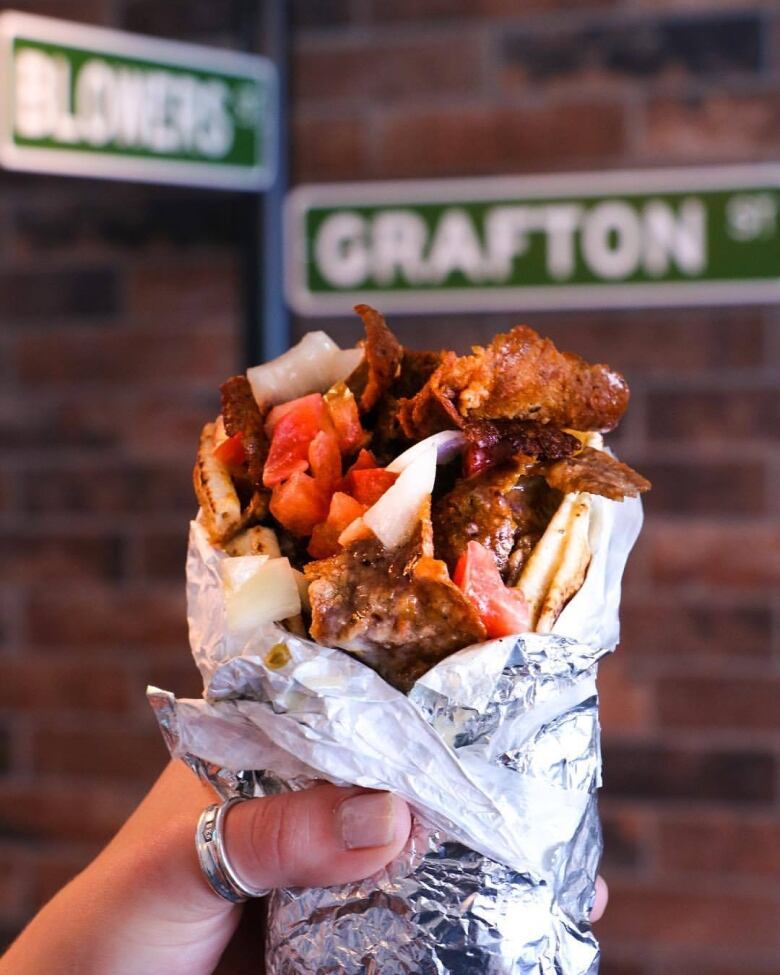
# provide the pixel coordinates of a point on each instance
(231, 452)
(325, 460)
(325, 537)
(313, 402)
(293, 431)
(364, 460)
(299, 504)
(368, 486)
(343, 411)
(503, 611)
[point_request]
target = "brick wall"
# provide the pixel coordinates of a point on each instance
(121, 313)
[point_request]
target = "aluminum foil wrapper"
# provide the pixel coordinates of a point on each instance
(496, 749)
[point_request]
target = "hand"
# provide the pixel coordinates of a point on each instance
(143, 906)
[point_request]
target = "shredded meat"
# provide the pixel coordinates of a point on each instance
(383, 354)
(493, 441)
(478, 510)
(596, 472)
(241, 414)
(519, 376)
(397, 611)
(416, 369)
(388, 437)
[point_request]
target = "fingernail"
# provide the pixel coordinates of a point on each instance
(367, 820)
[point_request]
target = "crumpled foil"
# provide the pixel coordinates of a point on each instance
(496, 749)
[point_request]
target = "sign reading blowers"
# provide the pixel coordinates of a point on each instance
(84, 101)
(658, 237)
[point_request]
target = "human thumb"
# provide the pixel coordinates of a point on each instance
(315, 838)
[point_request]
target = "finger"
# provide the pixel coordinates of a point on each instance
(315, 838)
(600, 901)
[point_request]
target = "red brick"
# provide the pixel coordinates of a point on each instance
(68, 419)
(745, 557)
(713, 962)
(97, 356)
(400, 10)
(714, 127)
(179, 676)
(626, 704)
(71, 812)
(721, 843)
(27, 557)
(121, 755)
(441, 63)
(38, 295)
(627, 833)
(14, 881)
(327, 148)
(660, 916)
(660, 774)
(611, 966)
(82, 11)
(55, 869)
(639, 49)
(140, 421)
(729, 703)
(109, 488)
(640, 340)
(330, 16)
(155, 426)
(702, 488)
(98, 617)
(5, 748)
(714, 416)
(41, 685)
(160, 555)
(199, 291)
(666, 631)
(492, 140)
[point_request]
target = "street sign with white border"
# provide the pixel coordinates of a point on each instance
(87, 101)
(684, 236)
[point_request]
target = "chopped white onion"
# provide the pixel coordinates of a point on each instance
(258, 590)
(312, 366)
(447, 444)
(396, 514)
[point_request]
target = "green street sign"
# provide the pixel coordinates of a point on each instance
(585, 240)
(83, 101)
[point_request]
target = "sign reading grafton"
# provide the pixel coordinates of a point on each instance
(83, 101)
(632, 238)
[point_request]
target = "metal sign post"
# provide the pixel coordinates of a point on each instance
(632, 238)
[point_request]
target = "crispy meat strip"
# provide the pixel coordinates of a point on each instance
(493, 441)
(433, 408)
(383, 353)
(478, 510)
(596, 472)
(241, 414)
(519, 376)
(388, 438)
(397, 611)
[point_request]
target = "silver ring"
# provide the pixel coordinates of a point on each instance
(214, 861)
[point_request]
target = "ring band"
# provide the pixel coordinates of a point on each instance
(214, 861)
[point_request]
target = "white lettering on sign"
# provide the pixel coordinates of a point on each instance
(612, 240)
(341, 250)
(159, 111)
